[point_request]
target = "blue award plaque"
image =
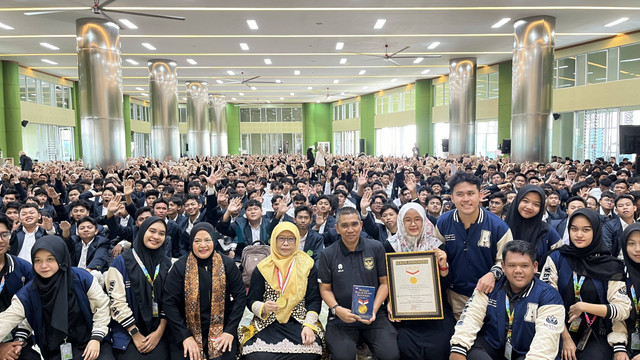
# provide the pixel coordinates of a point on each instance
(362, 301)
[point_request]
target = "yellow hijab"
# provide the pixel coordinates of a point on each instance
(296, 288)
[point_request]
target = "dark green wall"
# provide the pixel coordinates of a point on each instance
(367, 124)
(233, 129)
(424, 124)
(504, 101)
(12, 115)
(316, 124)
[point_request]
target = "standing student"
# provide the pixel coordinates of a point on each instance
(631, 254)
(205, 300)
(135, 283)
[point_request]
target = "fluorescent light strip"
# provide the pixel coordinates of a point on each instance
(500, 23)
(616, 22)
(418, 60)
(233, 98)
(296, 72)
(309, 88)
(49, 46)
(49, 62)
(623, 61)
(343, 61)
(339, 45)
(139, 89)
(6, 27)
(192, 62)
(340, 9)
(362, 72)
(253, 25)
(425, 71)
(230, 72)
(220, 81)
(144, 94)
(433, 45)
(132, 62)
(244, 46)
(128, 24)
(394, 80)
(278, 81)
(292, 94)
(241, 94)
(267, 61)
(148, 46)
(379, 24)
(336, 81)
(254, 88)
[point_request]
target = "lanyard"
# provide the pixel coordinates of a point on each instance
(510, 314)
(577, 285)
(636, 302)
(144, 269)
(286, 280)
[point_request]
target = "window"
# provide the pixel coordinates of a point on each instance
(44, 92)
(346, 111)
(140, 112)
(494, 86)
(396, 141)
(49, 142)
(182, 114)
(270, 114)
(482, 86)
(346, 142)
(487, 138)
(440, 133)
(396, 102)
(630, 61)
(566, 72)
(267, 144)
(438, 95)
(597, 67)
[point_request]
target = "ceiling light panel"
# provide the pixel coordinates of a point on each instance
(339, 45)
(128, 24)
(379, 24)
(6, 27)
(230, 72)
(296, 72)
(49, 62)
(616, 22)
(418, 60)
(49, 46)
(362, 72)
(244, 46)
(343, 61)
(139, 89)
(253, 25)
(148, 46)
(267, 61)
(192, 62)
(433, 45)
(500, 23)
(132, 62)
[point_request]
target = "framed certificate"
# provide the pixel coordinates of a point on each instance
(414, 286)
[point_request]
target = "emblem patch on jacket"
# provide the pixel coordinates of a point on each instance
(368, 263)
(485, 239)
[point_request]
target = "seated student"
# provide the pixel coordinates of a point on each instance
(612, 230)
(377, 231)
(30, 230)
(247, 230)
(16, 273)
(573, 203)
(434, 208)
(65, 307)
(78, 209)
(521, 318)
(205, 300)
(497, 202)
(552, 207)
(87, 250)
(631, 254)
(285, 301)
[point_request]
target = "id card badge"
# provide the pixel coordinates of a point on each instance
(575, 324)
(507, 350)
(635, 341)
(155, 309)
(583, 340)
(66, 352)
(7, 338)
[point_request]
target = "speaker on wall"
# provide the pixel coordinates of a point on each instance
(556, 116)
(506, 146)
(445, 145)
(361, 145)
(24, 123)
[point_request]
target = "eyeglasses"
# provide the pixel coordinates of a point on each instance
(286, 240)
(5, 235)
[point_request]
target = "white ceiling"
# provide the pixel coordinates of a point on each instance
(302, 35)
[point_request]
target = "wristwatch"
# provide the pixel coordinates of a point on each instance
(333, 309)
(133, 331)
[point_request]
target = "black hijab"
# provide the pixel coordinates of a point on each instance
(595, 260)
(632, 267)
(531, 230)
(59, 303)
(141, 287)
(209, 229)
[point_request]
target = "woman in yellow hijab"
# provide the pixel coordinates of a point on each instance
(285, 301)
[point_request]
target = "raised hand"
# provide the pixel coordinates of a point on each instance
(128, 187)
(223, 197)
(365, 202)
(65, 226)
(114, 204)
(235, 205)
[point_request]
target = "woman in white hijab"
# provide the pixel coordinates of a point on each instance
(422, 339)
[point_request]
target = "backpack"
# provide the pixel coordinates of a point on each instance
(251, 256)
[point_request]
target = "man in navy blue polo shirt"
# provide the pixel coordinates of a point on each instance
(355, 260)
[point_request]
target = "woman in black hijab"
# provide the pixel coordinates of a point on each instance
(137, 309)
(631, 253)
(591, 284)
(64, 306)
(202, 317)
(525, 220)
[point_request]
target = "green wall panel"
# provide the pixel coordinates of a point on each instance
(12, 118)
(126, 112)
(367, 123)
(424, 124)
(233, 129)
(316, 124)
(504, 101)
(77, 135)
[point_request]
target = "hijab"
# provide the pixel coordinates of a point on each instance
(402, 241)
(296, 287)
(595, 260)
(150, 259)
(59, 303)
(531, 230)
(632, 267)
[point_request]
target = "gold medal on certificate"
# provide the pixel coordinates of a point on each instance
(281, 302)
(413, 279)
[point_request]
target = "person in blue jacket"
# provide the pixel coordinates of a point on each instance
(631, 254)
(525, 221)
(65, 307)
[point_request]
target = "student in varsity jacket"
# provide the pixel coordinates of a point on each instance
(522, 318)
(15, 273)
(591, 284)
(631, 254)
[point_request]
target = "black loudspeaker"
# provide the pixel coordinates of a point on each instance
(24, 123)
(556, 116)
(506, 146)
(445, 145)
(361, 145)
(186, 147)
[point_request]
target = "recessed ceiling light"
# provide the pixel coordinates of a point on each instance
(244, 46)
(281, 98)
(425, 71)
(365, 87)
(292, 94)
(254, 88)
(278, 81)
(267, 61)
(233, 98)
(362, 72)
(253, 25)
(296, 72)
(500, 23)
(49, 46)
(339, 45)
(268, 102)
(336, 81)
(49, 62)
(433, 45)
(418, 60)
(394, 80)
(309, 88)
(128, 24)
(616, 22)
(241, 94)
(343, 61)
(379, 24)
(220, 81)
(230, 72)
(192, 62)
(317, 101)
(6, 27)
(342, 93)
(139, 89)
(132, 62)
(144, 94)
(184, 98)
(148, 46)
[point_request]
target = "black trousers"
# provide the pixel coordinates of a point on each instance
(597, 348)
(161, 352)
(106, 353)
(481, 350)
(380, 337)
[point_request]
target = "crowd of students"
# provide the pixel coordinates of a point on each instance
(159, 259)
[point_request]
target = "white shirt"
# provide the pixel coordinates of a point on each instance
(124, 221)
(302, 241)
(29, 241)
(82, 263)
(624, 224)
(255, 232)
(190, 224)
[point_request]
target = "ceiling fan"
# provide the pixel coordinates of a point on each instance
(99, 9)
(249, 81)
(391, 57)
(330, 95)
(257, 101)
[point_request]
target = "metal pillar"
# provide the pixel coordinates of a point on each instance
(462, 106)
(532, 79)
(198, 118)
(163, 89)
(218, 117)
(100, 92)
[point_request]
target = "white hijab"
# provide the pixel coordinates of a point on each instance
(425, 241)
